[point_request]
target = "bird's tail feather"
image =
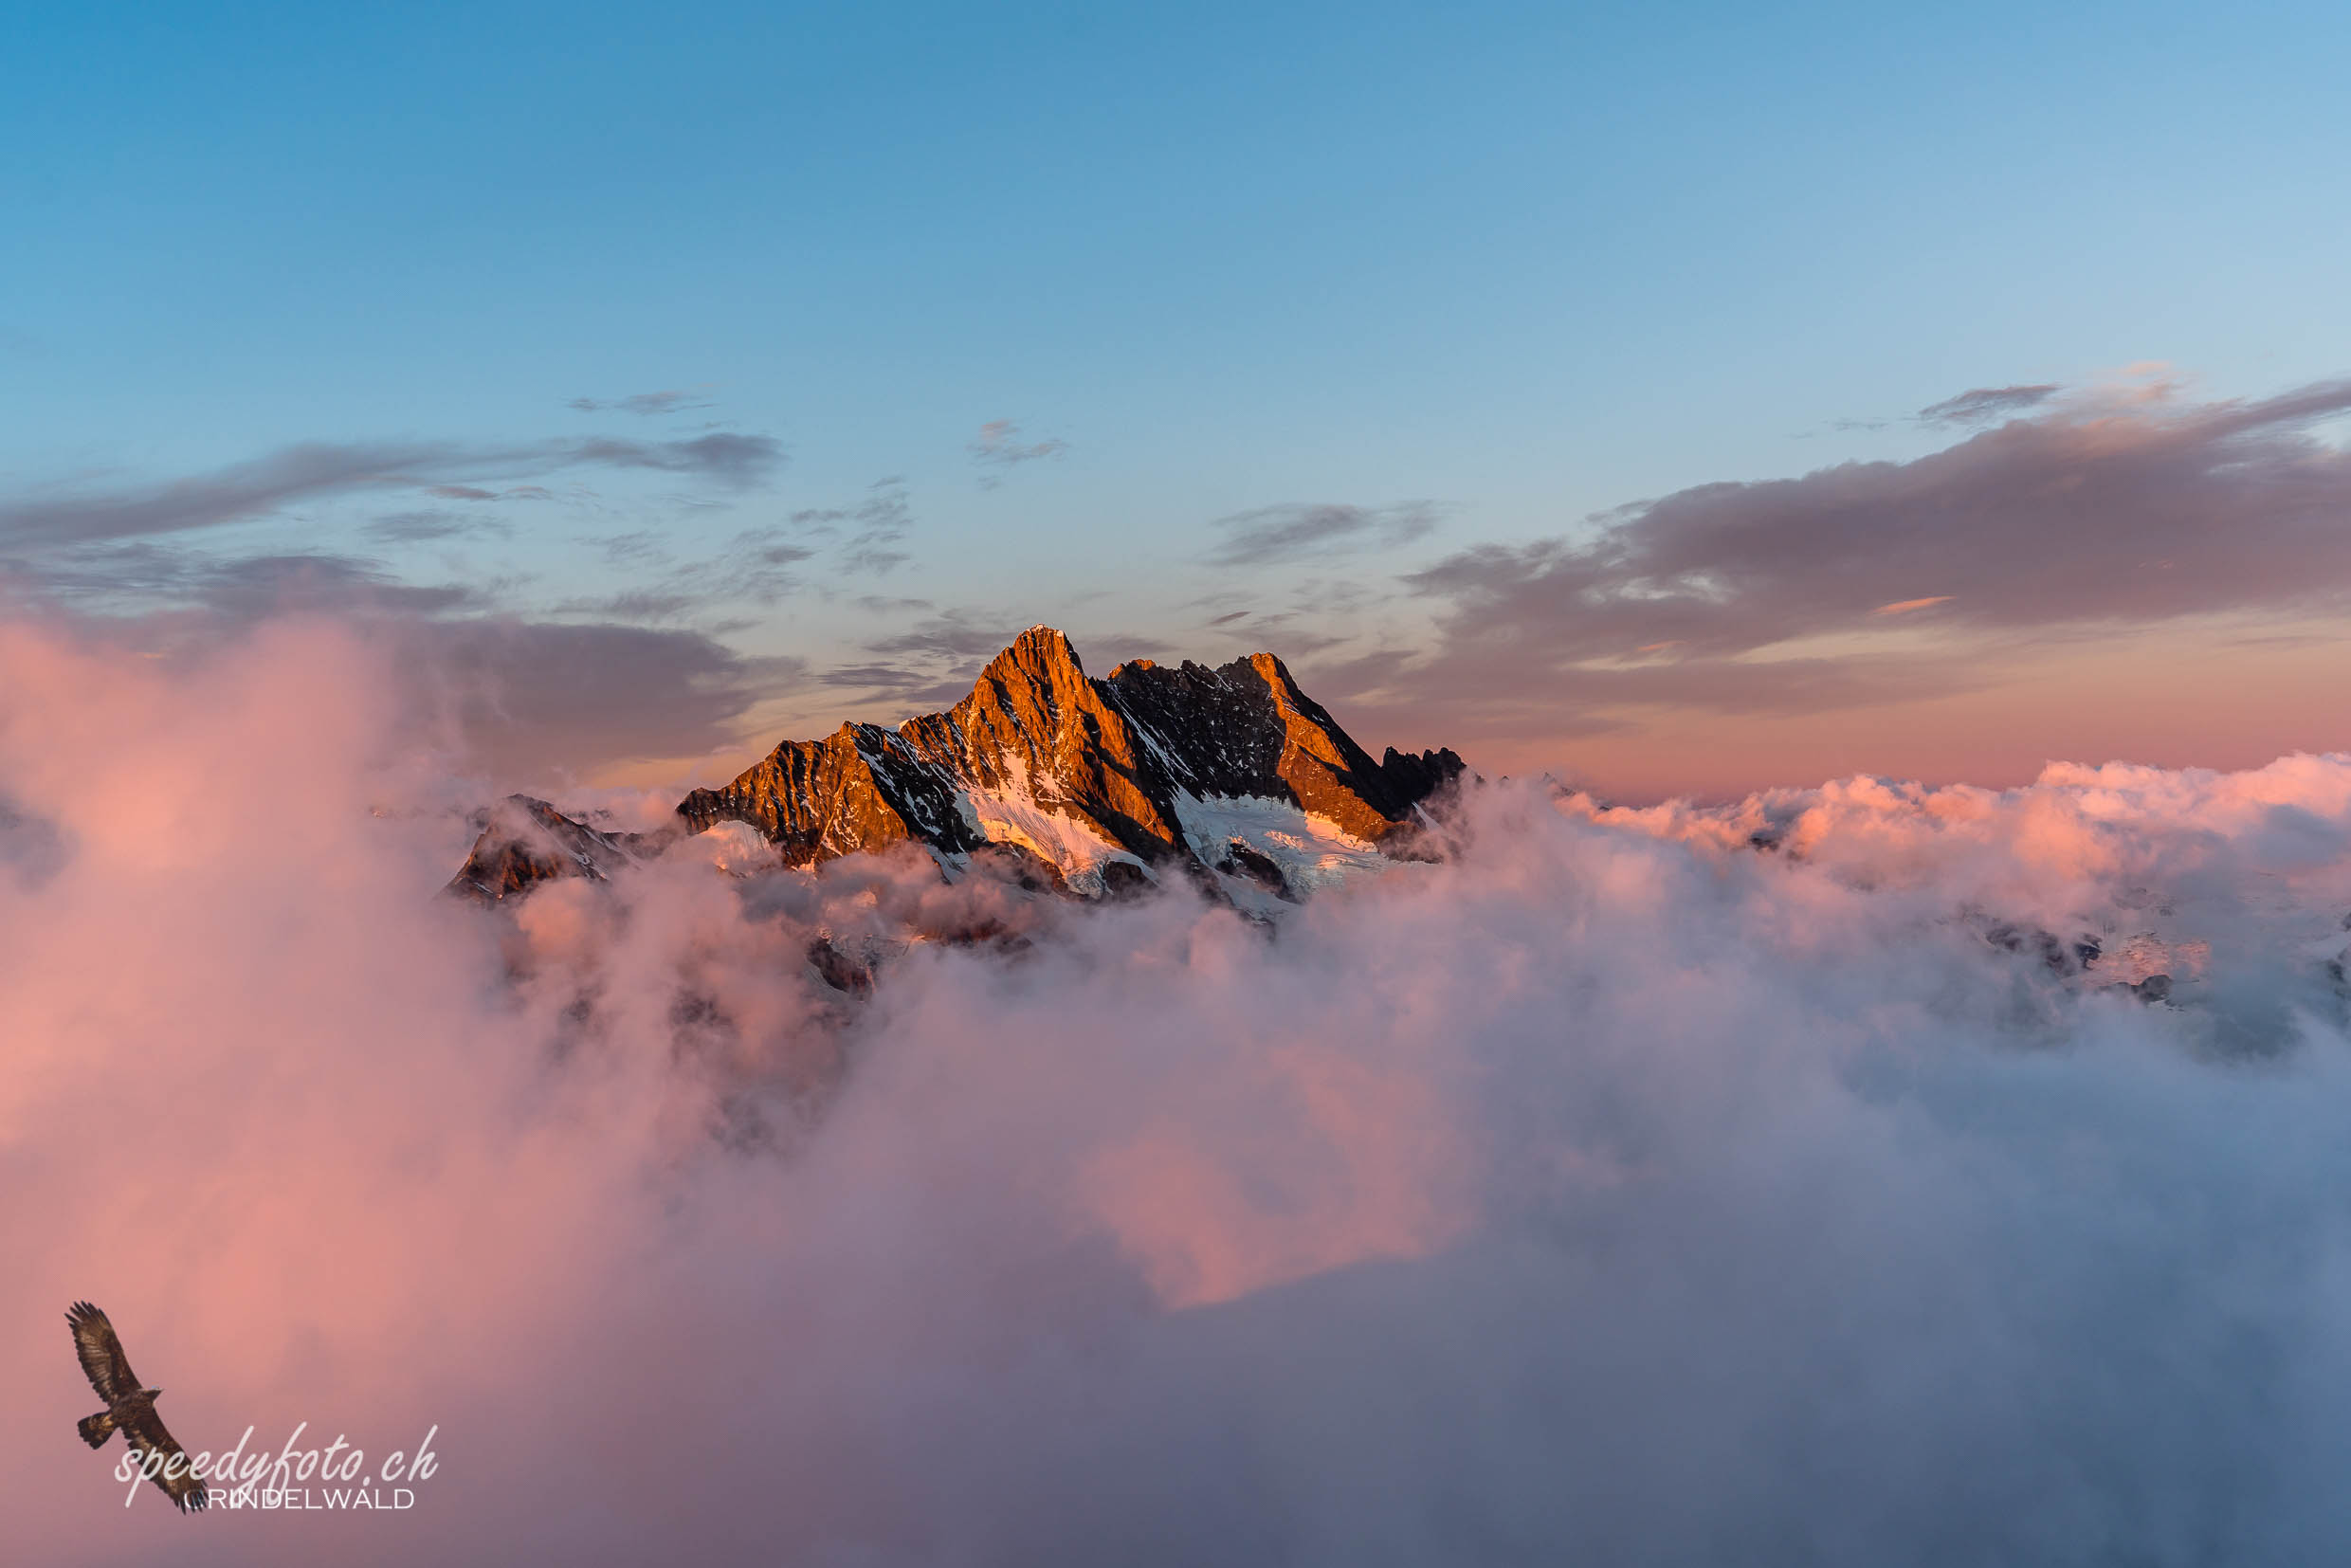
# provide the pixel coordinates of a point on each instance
(95, 1428)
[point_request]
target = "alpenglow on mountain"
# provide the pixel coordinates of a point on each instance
(1231, 776)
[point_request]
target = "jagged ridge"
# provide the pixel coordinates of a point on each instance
(1232, 776)
(1090, 776)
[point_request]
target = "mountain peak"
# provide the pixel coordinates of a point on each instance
(1230, 776)
(1039, 653)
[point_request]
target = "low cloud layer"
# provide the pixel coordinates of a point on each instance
(1616, 1189)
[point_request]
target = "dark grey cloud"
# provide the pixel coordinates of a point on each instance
(2089, 517)
(1292, 531)
(317, 470)
(1981, 405)
(536, 698)
(647, 404)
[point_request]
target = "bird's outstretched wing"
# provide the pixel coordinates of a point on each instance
(102, 1361)
(157, 1449)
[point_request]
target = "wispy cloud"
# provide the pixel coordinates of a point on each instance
(1295, 530)
(957, 635)
(317, 470)
(998, 446)
(870, 530)
(1981, 405)
(646, 403)
(422, 527)
(756, 567)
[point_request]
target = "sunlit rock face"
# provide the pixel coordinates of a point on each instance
(1229, 774)
(860, 788)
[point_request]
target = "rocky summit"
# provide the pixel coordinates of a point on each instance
(1231, 776)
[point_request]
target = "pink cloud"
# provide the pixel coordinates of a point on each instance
(1614, 1179)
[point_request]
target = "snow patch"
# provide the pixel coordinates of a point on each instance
(1014, 816)
(1312, 851)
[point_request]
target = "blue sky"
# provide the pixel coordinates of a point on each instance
(1521, 264)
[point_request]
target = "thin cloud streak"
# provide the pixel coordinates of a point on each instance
(647, 404)
(318, 470)
(1980, 405)
(1295, 530)
(999, 443)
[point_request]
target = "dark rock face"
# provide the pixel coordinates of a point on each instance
(2057, 956)
(526, 842)
(1416, 777)
(1242, 859)
(1116, 756)
(1245, 729)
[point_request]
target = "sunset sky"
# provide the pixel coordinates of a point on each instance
(1678, 398)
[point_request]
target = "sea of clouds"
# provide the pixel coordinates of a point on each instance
(1752, 1185)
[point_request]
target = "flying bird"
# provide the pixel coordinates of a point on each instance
(129, 1408)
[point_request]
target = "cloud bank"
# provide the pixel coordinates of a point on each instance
(2091, 515)
(2065, 527)
(1616, 1191)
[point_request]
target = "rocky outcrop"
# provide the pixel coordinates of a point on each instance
(524, 842)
